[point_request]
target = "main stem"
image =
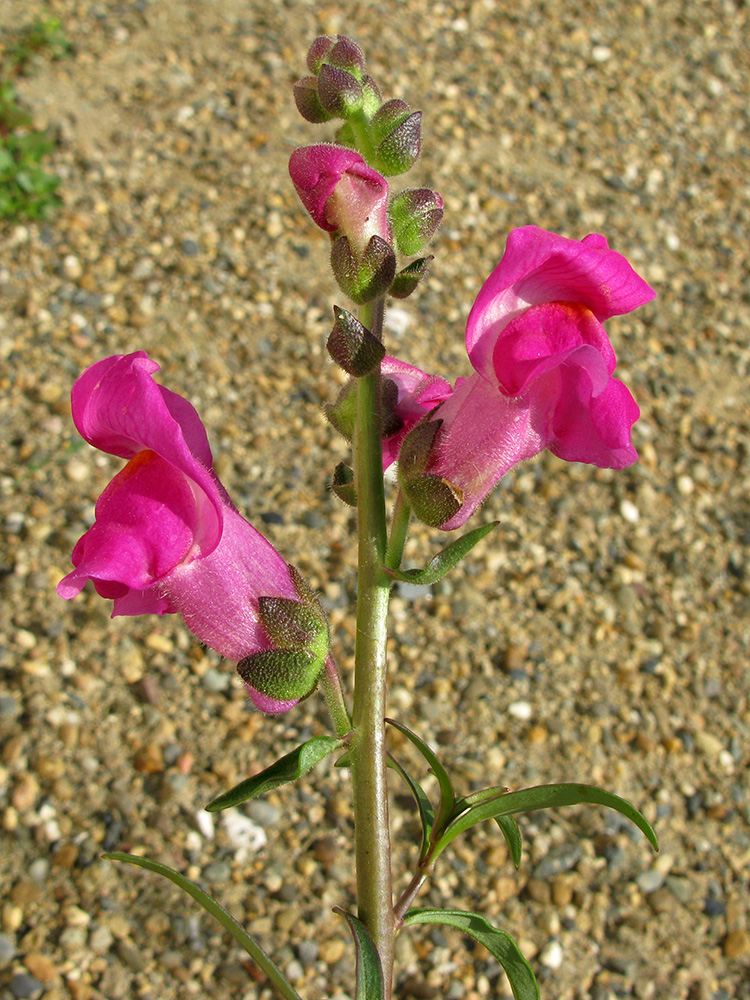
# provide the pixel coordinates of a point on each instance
(371, 829)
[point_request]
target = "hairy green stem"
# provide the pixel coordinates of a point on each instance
(368, 753)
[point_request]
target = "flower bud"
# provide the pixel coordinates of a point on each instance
(340, 92)
(363, 278)
(347, 55)
(342, 193)
(433, 499)
(352, 346)
(318, 51)
(308, 101)
(399, 151)
(279, 677)
(415, 216)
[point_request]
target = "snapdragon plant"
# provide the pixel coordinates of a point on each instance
(167, 537)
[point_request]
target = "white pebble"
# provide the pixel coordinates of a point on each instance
(244, 835)
(629, 511)
(520, 710)
(71, 266)
(551, 955)
(601, 53)
(205, 823)
(685, 485)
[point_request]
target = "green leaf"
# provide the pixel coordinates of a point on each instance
(512, 836)
(288, 768)
(227, 921)
(447, 795)
(370, 985)
(444, 560)
(426, 812)
(498, 943)
(544, 797)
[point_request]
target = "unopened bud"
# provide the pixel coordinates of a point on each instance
(340, 92)
(363, 278)
(308, 101)
(415, 216)
(407, 279)
(343, 413)
(352, 346)
(346, 54)
(399, 151)
(318, 51)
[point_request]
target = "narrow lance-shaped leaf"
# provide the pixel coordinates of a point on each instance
(288, 768)
(426, 812)
(447, 795)
(217, 911)
(498, 943)
(445, 560)
(512, 836)
(370, 984)
(544, 797)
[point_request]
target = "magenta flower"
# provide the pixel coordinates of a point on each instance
(543, 366)
(342, 194)
(416, 393)
(167, 538)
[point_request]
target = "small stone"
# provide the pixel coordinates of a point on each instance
(649, 881)
(629, 512)
(520, 710)
(737, 944)
(100, 940)
(562, 858)
(41, 967)
(7, 949)
(332, 951)
(217, 871)
(150, 760)
(551, 955)
(130, 956)
(71, 267)
(263, 812)
(25, 987)
(216, 680)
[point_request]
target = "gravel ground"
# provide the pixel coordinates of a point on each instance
(602, 635)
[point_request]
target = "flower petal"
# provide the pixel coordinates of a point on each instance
(118, 408)
(145, 526)
(539, 266)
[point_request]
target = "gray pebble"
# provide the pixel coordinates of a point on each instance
(216, 680)
(24, 986)
(8, 707)
(308, 952)
(263, 813)
(649, 881)
(217, 871)
(295, 970)
(7, 948)
(559, 859)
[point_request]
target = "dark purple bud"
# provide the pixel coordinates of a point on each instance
(415, 216)
(318, 51)
(340, 92)
(346, 54)
(308, 102)
(398, 152)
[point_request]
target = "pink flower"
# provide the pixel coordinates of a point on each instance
(167, 538)
(543, 366)
(416, 393)
(342, 194)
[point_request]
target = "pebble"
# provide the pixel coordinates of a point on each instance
(7, 948)
(520, 710)
(216, 680)
(737, 944)
(650, 881)
(551, 955)
(25, 987)
(263, 812)
(217, 871)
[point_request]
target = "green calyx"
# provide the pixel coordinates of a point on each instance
(299, 629)
(369, 276)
